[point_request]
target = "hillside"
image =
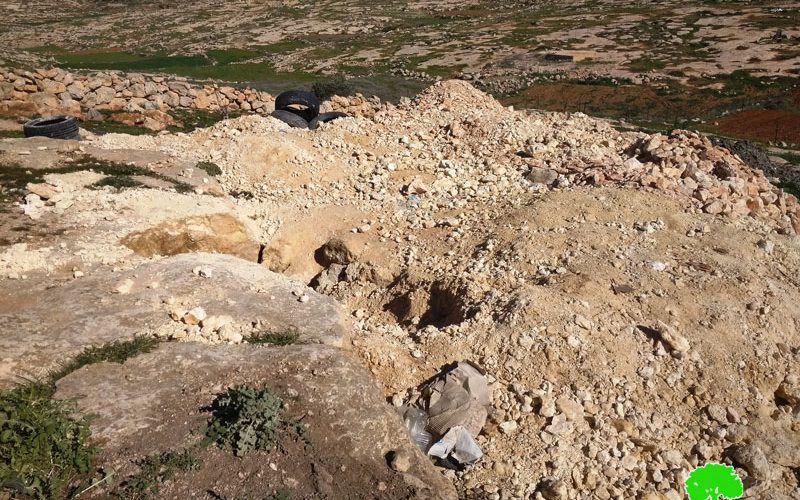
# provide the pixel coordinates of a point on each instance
(631, 297)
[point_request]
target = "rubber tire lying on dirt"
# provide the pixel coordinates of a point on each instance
(290, 118)
(55, 127)
(326, 117)
(308, 100)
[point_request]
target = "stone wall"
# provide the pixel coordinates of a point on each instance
(55, 91)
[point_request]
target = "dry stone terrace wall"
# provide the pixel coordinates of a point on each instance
(55, 91)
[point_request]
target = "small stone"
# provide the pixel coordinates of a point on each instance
(77, 274)
(658, 266)
(676, 342)
(547, 406)
(400, 461)
(508, 426)
(583, 322)
(194, 316)
(717, 413)
(203, 271)
(789, 390)
(752, 459)
(553, 489)
(766, 245)
(571, 409)
(43, 190)
(124, 287)
(304, 298)
(544, 176)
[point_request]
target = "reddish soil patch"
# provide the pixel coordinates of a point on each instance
(763, 124)
(630, 102)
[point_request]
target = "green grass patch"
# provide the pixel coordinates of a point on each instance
(114, 352)
(154, 471)
(282, 46)
(208, 167)
(115, 127)
(286, 337)
(645, 64)
(14, 178)
(43, 447)
(228, 56)
(741, 80)
(281, 494)
(793, 158)
(44, 452)
(219, 64)
(119, 183)
(193, 119)
(11, 134)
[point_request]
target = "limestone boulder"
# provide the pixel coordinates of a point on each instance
(46, 323)
(219, 233)
(157, 402)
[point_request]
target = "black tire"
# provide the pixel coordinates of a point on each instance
(55, 127)
(308, 101)
(289, 118)
(325, 118)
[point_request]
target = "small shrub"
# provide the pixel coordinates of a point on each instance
(156, 469)
(210, 168)
(245, 419)
(335, 85)
(286, 337)
(118, 182)
(42, 446)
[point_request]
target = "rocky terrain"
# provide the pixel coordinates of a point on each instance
(631, 297)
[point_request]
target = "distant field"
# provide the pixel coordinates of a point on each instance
(666, 63)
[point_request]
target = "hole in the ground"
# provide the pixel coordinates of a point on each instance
(439, 304)
(445, 307)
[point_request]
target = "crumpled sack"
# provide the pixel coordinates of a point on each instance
(456, 403)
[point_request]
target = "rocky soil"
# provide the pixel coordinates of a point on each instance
(632, 297)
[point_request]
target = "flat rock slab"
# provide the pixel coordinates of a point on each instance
(156, 402)
(43, 324)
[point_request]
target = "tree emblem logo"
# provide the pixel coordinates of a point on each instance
(714, 481)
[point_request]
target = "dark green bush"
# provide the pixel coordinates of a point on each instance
(245, 419)
(335, 85)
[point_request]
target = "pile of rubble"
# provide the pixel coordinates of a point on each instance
(55, 91)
